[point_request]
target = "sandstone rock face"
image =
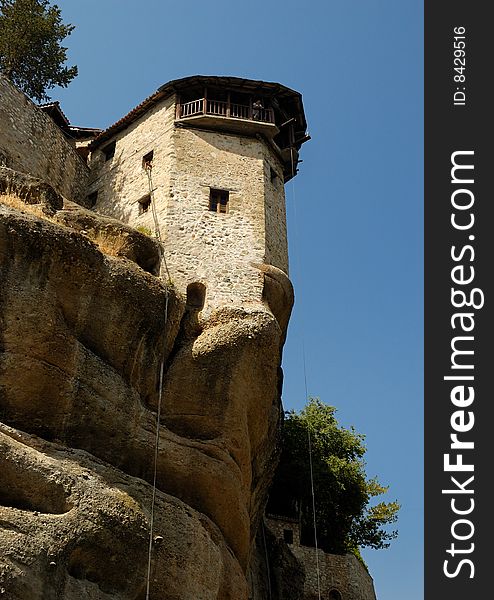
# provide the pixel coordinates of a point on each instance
(30, 190)
(83, 336)
(73, 527)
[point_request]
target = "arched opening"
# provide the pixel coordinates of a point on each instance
(334, 595)
(196, 295)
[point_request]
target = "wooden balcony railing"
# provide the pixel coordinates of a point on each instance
(191, 108)
(205, 106)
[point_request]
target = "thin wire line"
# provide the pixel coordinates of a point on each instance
(304, 362)
(155, 466)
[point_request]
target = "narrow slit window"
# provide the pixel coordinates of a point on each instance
(147, 160)
(144, 204)
(109, 151)
(273, 174)
(219, 201)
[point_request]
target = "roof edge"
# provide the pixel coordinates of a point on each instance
(176, 85)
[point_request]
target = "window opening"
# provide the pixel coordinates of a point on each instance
(144, 204)
(219, 200)
(109, 150)
(334, 595)
(196, 294)
(288, 536)
(273, 174)
(92, 199)
(147, 160)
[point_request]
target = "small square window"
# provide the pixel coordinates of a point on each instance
(218, 200)
(144, 204)
(147, 160)
(288, 536)
(109, 150)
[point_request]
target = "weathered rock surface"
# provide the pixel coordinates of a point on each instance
(30, 189)
(73, 527)
(82, 337)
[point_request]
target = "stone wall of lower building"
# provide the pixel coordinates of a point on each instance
(344, 574)
(279, 526)
(30, 142)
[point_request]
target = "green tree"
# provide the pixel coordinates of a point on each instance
(31, 54)
(345, 520)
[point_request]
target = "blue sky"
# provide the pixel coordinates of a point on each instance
(354, 210)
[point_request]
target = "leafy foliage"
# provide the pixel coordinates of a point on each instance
(345, 520)
(31, 55)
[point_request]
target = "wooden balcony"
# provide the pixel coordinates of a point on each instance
(226, 115)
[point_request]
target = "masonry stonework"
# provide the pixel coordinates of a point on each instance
(30, 142)
(120, 181)
(219, 250)
(275, 212)
(342, 574)
(280, 525)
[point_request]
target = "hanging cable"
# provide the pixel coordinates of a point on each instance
(314, 514)
(268, 571)
(156, 452)
(148, 167)
(304, 362)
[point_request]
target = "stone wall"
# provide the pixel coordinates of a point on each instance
(343, 573)
(30, 142)
(275, 211)
(274, 572)
(278, 526)
(121, 181)
(220, 251)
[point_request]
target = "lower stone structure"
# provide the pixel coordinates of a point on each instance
(341, 577)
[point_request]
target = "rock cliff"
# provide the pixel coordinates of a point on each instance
(85, 326)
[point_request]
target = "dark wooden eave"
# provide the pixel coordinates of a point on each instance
(54, 110)
(286, 99)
